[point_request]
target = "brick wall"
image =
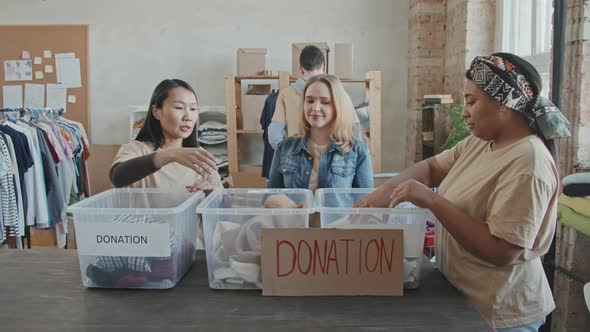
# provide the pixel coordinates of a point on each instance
(572, 247)
(455, 53)
(575, 152)
(444, 36)
(426, 52)
(571, 313)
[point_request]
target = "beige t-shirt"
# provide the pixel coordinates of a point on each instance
(289, 105)
(172, 175)
(316, 153)
(513, 190)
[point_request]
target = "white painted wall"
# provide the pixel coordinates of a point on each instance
(134, 44)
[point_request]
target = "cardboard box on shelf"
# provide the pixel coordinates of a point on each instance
(251, 61)
(296, 50)
(258, 89)
(251, 149)
(343, 60)
(252, 104)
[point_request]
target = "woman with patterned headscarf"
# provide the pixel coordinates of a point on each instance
(497, 193)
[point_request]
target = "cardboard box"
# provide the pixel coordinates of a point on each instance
(251, 149)
(258, 89)
(252, 104)
(296, 50)
(343, 60)
(99, 166)
(248, 180)
(286, 270)
(250, 169)
(251, 61)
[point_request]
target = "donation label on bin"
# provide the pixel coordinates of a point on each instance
(316, 262)
(108, 239)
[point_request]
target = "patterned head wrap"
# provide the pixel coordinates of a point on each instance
(500, 79)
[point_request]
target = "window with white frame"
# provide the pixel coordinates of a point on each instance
(524, 27)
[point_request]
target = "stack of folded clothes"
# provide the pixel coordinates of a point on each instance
(574, 203)
(221, 160)
(236, 257)
(212, 132)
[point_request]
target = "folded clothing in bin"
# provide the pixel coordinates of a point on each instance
(123, 271)
(237, 247)
(237, 250)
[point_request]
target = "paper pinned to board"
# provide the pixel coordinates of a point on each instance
(70, 55)
(25, 55)
(38, 75)
(38, 60)
(47, 54)
(48, 68)
(56, 96)
(34, 95)
(13, 96)
(67, 69)
(70, 73)
(18, 70)
(58, 58)
(71, 99)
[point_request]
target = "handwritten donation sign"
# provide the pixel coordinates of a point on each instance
(130, 239)
(301, 262)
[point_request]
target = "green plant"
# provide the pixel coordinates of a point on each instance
(459, 128)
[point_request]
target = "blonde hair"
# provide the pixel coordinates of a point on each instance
(342, 125)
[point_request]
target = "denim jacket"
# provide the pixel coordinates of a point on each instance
(292, 165)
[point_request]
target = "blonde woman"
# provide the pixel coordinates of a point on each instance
(325, 153)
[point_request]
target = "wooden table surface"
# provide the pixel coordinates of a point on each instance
(41, 290)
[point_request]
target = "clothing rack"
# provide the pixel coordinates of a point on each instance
(55, 111)
(75, 152)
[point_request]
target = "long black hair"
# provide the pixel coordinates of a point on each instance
(152, 129)
(536, 82)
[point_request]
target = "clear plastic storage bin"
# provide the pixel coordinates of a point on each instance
(232, 220)
(336, 211)
(136, 238)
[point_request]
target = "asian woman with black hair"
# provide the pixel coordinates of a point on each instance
(165, 153)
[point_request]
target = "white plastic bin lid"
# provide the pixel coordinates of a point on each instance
(320, 195)
(205, 206)
(89, 205)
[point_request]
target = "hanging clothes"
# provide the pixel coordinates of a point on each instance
(8, 199)
(265, 120)
(42, 170)
(29, 200)
(18, 188)
(22, 154)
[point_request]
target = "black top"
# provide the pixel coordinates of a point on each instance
(41, 290)
(265, 119)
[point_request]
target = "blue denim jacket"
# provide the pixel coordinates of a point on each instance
(292, 165)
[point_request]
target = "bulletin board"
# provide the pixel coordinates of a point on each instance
(58, 39)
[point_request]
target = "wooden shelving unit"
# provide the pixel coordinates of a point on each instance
(435, 130)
